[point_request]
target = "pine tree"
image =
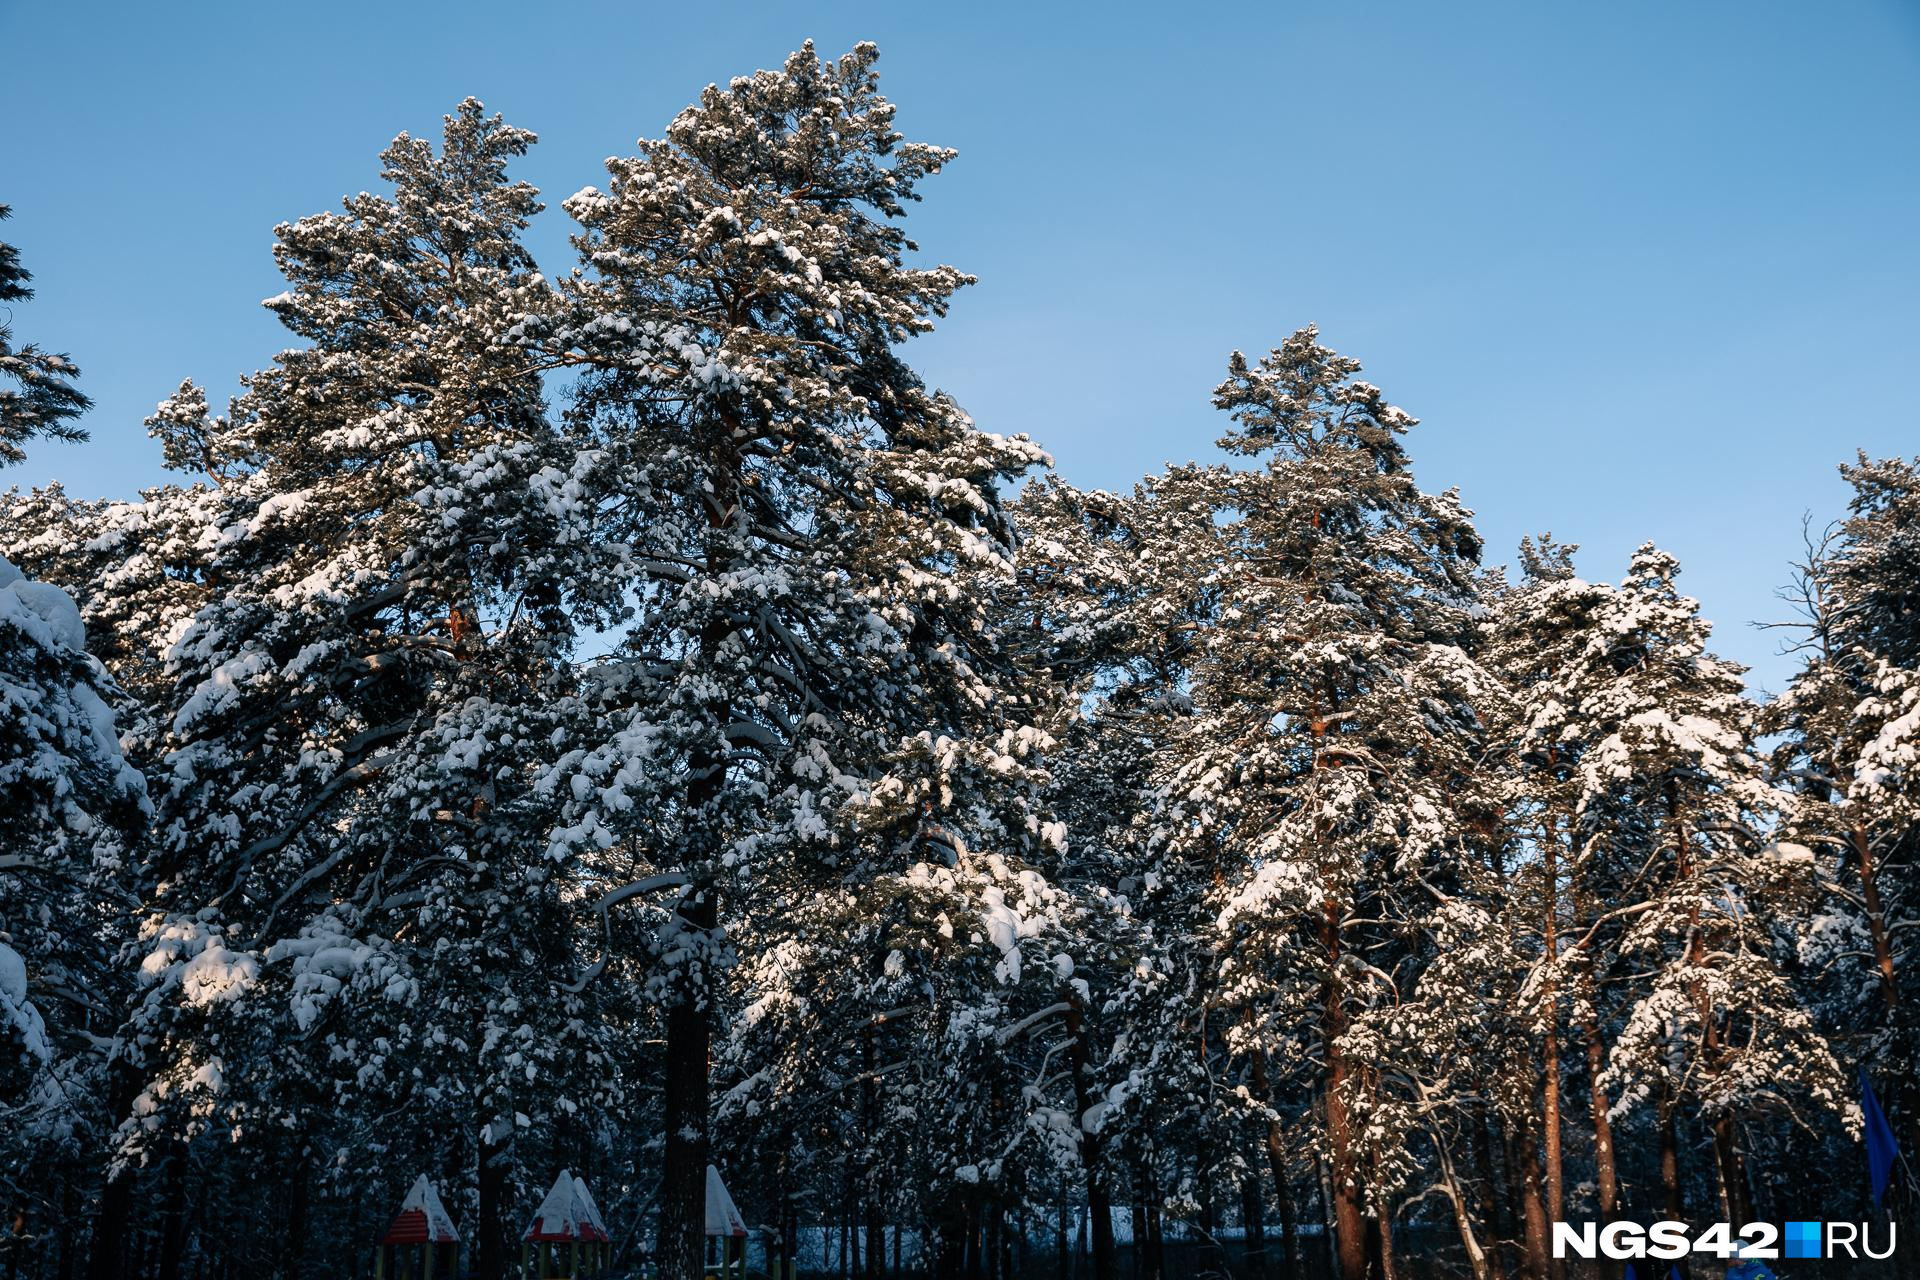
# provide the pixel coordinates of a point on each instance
(1112, 592)
(1851, 725)
(349, 848)
(1334, 719)
(44, 401)
(790, 505)
(73, 808)
(1543, 642)
(1672, 789)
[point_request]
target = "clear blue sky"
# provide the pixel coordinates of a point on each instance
(1643, 270)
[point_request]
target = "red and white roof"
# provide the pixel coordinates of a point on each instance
(722, 1218)
(568, 1213)
(422, 1219)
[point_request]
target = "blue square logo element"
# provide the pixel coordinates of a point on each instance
(1802, 1239)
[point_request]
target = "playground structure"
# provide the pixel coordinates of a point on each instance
(567, 1237)
(420, 1243)
(566, 1240)
(726, 1232)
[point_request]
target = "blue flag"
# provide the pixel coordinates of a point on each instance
(1631, 1273)
(1881, 1151)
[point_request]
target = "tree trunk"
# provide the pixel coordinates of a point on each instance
(1277, 1164)
(846, 1230)
(1099, 1205)
(107, 1260)
(1457, 1202)
(1253, 1224)
(299, 1203)
(1156, 1241)
(1670, 1185)
(1492, 1205)
(1062, 1258)
(1550, 1047)
(683, 1171)
(1670, 1163)
(69, 1212)
(1525, 1158)
(173, 1217)
(869, 1179)
(1323, 1183)
(1349, 1217)
(1876, 918)
(1605, 1174)
(490, 1237)
(1383, 1229)
(1733, 1171)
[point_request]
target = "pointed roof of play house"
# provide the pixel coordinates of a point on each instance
(568, 1213)
(422, 1218)
(722, 1218)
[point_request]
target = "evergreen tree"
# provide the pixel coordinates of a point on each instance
(73, 807)
(349, 846)
(43, 402)
(790, 506)
(1112, 592)
(1850, 753)
(1543, 641)
(1672, 789)
(1334, 722)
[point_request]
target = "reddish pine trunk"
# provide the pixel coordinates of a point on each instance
(1253, 1218)
(1349, 1216)
(1550, 1053)
(1383, 1235)
(1606, 1177)
(1876, 918)
(1670, 1162)
(1733, 1171)
(1525, 1157)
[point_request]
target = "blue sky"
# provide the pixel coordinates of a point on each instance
(1643, 270)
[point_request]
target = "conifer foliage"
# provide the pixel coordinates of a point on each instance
(43, 400)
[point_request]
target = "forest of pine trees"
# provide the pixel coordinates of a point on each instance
(626, 721)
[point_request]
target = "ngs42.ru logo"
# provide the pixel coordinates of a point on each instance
(1762, 1240)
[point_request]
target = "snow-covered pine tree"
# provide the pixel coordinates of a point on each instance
(43, 402)
(1333, 722)
(1111, 591)
(1672, 794)
(72, 807)
(793, 506)
(1539, 640)
(1851, 757)
(896, 1014)
(349, 852)
(1116, 595)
